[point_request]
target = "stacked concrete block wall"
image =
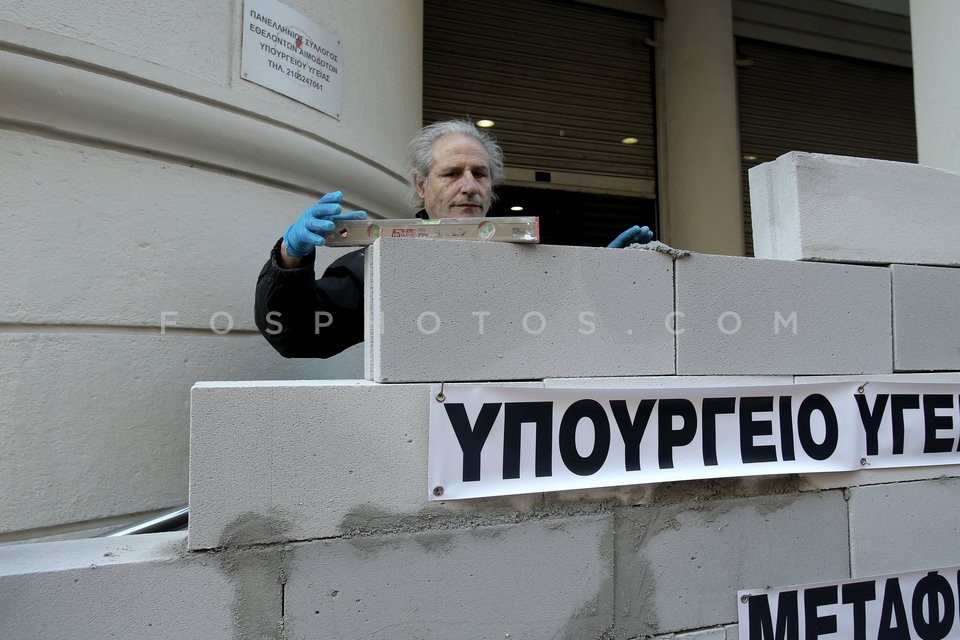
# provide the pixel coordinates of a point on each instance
(677, 553)
(534, 312)
(903, 217)
(346, 463)
(144, 182)
(309, 499)
(311, 520)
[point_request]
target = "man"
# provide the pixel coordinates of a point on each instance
(455, 167)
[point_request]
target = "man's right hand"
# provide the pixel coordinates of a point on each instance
(306, 234)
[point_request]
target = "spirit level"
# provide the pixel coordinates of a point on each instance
(352, 233)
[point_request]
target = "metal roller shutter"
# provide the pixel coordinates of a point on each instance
(799, 100)
(565, 82)
(829, 26)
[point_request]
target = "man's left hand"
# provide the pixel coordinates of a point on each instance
(633, 235)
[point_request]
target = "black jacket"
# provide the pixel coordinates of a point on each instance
(303, 317)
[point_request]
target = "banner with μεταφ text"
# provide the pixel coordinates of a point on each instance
(919, 604)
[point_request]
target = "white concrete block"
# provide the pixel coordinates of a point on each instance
(283, 461)
(768, 317)
(808, 206)
(97, 424)
(141, 587)
(925, 322)
(540, 579)
(679, 566)
(449, 310)
(907, 526)
(136, 241)
(274, 462)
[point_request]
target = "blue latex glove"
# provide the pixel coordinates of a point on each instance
(306, 234)
(633, 235)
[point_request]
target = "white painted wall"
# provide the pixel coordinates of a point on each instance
(139, 174)
(936, 87)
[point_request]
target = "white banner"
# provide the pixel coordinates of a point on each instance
(493, 441)
(920, 604)
(283, 51)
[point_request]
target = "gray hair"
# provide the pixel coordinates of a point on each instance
(420, 152)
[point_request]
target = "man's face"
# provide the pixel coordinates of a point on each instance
(459, 184)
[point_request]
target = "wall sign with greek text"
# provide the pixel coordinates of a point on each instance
(287, 53)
